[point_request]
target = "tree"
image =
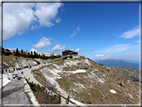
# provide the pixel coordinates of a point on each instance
(34, 54)
(17, 52)
(22, 52)
(68, 99)
(3, 52)
(31, 54)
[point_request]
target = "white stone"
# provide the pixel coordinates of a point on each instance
(112, 91)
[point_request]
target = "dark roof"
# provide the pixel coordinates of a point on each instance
(70, 51)
(67, 51)
(74, 52)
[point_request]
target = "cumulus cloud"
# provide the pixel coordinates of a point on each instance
(46, 13)
(33, 50)
(75, 31)
(43, 42)
(131, 33)
(19, 17)
(58, 48)
(77, 50)
(16, 18)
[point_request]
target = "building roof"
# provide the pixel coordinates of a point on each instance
(74, 52)
(67, 51)
(70, 51)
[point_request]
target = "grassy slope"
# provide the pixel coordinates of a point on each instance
(134, 72)
(97, 93)
(12, 58)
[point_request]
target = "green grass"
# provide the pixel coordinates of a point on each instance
(69, 69)
(56, 60)
(29, 97)
(66, 82)
(9, 58)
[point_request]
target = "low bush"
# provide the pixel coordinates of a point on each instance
(68, 99)
(120, 84)
(42, 96)
(19, 78)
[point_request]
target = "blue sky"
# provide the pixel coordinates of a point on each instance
(94, 30)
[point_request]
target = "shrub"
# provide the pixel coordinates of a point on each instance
(19, 78)
(70, 57)
(42, 95)
(59, 99)
(8, 50)
(89, 102)
(8, 53)
(120, 84)
(101, 64)
(65, 58)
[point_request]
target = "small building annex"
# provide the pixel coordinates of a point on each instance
(69, 52)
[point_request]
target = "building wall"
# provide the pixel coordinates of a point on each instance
(67, 53)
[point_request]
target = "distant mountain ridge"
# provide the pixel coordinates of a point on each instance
(116, 62)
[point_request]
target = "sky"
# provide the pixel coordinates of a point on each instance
(94, 30)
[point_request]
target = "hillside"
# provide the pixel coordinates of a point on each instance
(116, 62)
(90, 83)
(129, 72)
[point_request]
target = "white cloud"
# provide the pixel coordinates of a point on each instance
(19, 17)
(91, 49)
(101, 55)
(115, 48)
(78, 29)
(75, 32)
(33, 50)
(34, 27)
(58, 20)
(16, 18)
(137, 41)
(131, 33)
(58, 48)
(98, 55)
(43, 42)
(77, 50)
(46, 13)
